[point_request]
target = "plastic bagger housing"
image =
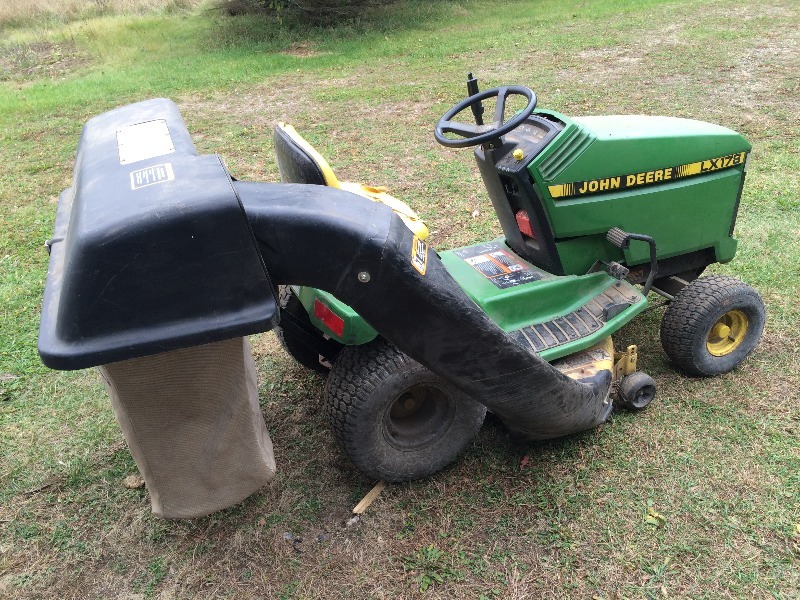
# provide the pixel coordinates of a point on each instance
(151, 249)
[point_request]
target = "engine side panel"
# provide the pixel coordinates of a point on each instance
(677, 180)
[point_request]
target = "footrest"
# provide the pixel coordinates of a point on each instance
(581, 323)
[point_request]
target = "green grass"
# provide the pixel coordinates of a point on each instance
(696, 497)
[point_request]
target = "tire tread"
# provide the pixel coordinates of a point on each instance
(687, 316)
(358, 373)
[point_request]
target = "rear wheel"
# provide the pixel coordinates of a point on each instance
(712, 325)
(297, 349)
(395, 419)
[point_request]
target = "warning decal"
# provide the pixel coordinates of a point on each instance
(498, 265)
(419, 255)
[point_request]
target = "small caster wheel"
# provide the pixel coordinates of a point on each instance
(636, 390)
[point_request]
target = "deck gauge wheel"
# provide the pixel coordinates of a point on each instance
(636, 390)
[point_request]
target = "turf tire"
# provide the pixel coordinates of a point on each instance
(393, 418)
(690, 317)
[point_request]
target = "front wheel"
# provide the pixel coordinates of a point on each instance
(712, 325)
(395, 419)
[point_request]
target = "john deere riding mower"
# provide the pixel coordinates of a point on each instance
(158, 250)
(588, 206)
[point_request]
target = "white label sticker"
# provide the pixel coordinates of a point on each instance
(144, 140)
(151, 176)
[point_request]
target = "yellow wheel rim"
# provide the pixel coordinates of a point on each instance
(727, 334)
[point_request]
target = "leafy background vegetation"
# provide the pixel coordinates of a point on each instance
(696, 497)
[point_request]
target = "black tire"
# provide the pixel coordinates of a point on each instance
(393, 418)
(308, 357)
(636, 391)
(712, 325)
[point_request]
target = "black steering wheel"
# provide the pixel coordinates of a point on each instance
(473, 135)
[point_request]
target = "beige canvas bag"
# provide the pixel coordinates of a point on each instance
(194, 426)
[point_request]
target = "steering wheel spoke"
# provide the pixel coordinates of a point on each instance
(465, 130)
(500, 107)
(474, 135)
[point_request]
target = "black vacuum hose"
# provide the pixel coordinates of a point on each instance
(361, 252)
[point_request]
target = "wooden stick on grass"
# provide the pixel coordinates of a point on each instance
(362, 506)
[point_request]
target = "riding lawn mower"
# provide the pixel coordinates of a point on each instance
(157, 249)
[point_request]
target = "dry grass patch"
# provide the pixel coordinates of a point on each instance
(29, 61)
(31, 11)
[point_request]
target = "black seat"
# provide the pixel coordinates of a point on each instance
(298, 162)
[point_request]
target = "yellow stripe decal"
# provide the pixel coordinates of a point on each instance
(621, 182)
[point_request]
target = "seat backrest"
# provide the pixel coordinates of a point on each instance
(298, 162)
